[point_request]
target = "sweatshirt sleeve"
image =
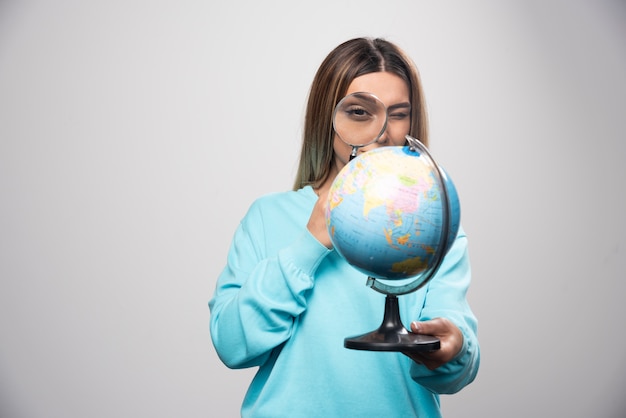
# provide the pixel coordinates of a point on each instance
(446, 297)
(258, 295)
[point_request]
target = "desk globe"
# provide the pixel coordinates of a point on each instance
(393, 213)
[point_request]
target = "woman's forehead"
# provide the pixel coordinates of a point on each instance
(388, 87)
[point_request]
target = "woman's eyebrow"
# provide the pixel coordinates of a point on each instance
(404, 105)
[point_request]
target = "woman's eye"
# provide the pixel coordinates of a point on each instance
(357, 113)
(399, 115)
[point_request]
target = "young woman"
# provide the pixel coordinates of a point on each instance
(286, 301)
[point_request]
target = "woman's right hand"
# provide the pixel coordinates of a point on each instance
(317, 221)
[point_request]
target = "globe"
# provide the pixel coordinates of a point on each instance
(393, 213)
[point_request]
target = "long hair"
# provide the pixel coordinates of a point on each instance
(346, 62)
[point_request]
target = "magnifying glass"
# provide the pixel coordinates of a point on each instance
(359, 120)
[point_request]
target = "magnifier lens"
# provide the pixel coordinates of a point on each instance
(360, 119)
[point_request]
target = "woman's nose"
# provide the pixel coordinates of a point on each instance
(384, 138)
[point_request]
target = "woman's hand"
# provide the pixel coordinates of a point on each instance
(449, 335)
(317, 221)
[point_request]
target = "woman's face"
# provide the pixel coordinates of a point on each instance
(394, 93)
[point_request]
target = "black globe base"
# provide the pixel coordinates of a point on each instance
(392, 335)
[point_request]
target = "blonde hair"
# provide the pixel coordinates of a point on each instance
(346, 62)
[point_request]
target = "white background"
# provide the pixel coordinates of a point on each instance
(134, 134)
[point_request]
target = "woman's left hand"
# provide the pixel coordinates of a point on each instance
(449, 335)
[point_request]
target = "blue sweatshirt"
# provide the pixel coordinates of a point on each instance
(285, 303)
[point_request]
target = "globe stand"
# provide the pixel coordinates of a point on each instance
(392, 335)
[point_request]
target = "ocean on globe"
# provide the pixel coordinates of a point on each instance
(385, 213)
